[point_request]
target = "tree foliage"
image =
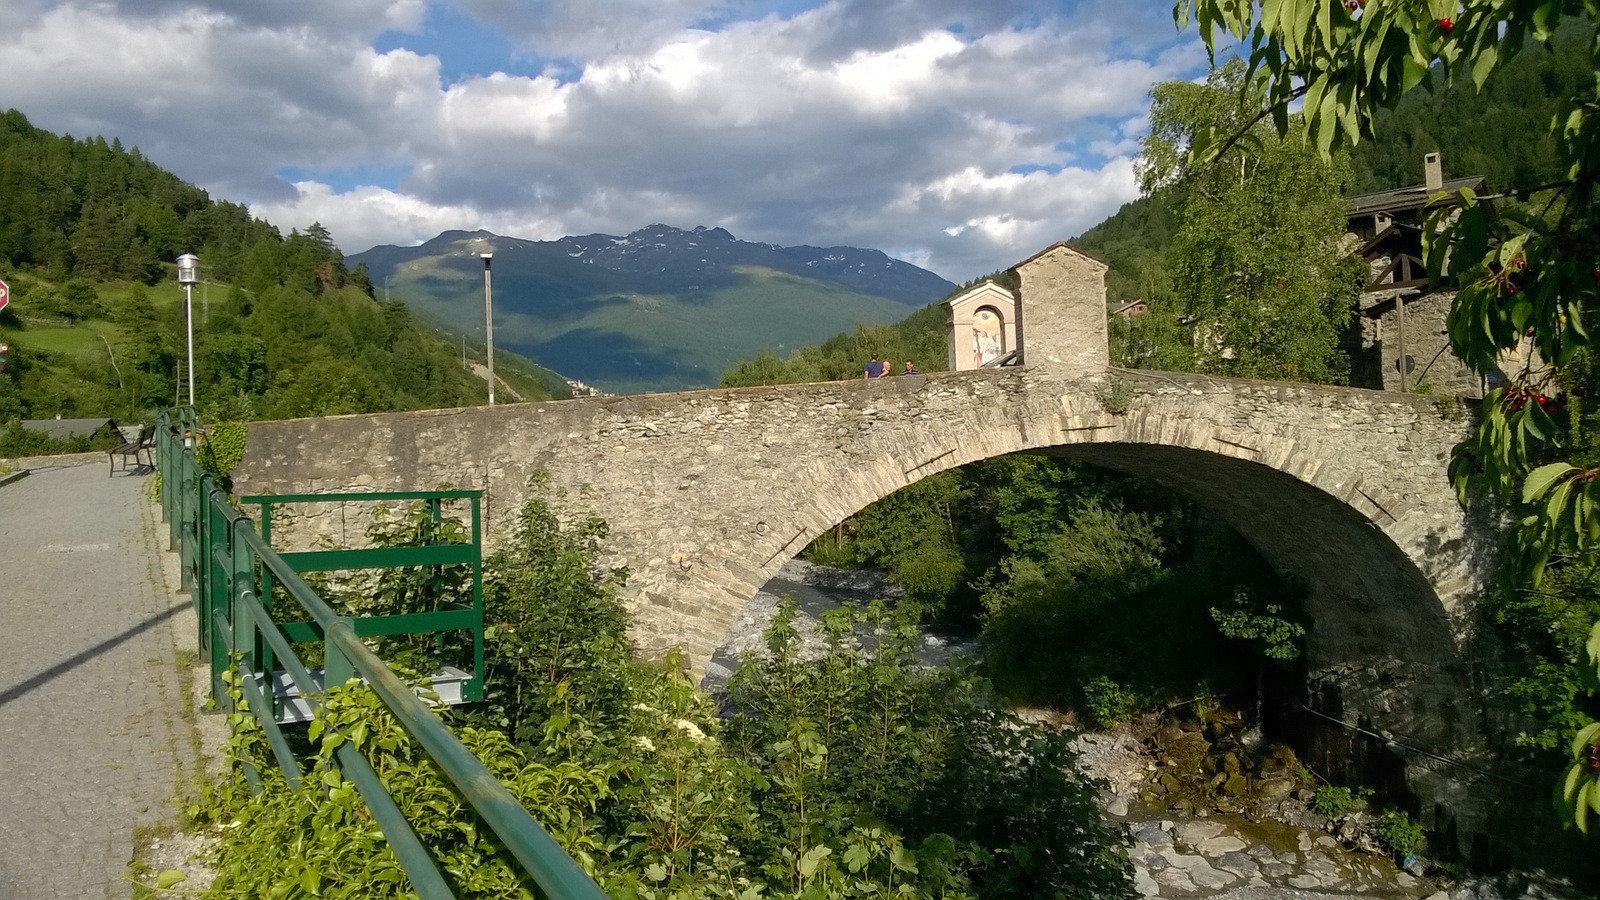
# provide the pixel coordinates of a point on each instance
(1519, 276)
(1261, 280)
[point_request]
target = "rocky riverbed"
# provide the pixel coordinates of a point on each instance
(1190, 852)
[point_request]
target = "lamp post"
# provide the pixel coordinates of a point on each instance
(188, 274)
(488, 321)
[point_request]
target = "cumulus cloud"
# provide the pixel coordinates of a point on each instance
(960, 135)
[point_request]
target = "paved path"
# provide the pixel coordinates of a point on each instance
(94, 742)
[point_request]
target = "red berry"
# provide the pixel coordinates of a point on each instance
(1447, 25)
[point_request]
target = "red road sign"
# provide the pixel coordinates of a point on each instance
(5, 294)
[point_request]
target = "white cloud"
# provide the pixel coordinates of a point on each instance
(892, 124)
(588, 29)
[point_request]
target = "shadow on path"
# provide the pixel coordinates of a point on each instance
(78, 659)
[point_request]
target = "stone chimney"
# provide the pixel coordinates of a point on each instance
(1432, 172)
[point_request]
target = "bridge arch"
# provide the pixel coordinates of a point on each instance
(1386, 554)
(708, 493)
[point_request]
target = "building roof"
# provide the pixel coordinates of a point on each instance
(1406, 198)
(61, 429)
(1064, 246)
(986, 286)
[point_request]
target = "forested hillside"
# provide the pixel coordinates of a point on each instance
(94, 210)
(88, 235)
(1501, 132)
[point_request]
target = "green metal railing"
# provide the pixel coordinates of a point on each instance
(432, 554)
(228, 568)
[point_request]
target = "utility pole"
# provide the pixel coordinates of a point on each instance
(488, 322)
(188, 274)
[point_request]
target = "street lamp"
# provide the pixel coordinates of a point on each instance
(488, 321)
(188, 274)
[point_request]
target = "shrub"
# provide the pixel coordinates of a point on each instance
(1105, 703)
(863, 731)
(1399, 832)
(1334, 802)
(1115, 396)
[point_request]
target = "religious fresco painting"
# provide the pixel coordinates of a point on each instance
(988, 336)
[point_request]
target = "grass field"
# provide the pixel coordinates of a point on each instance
(84, 339)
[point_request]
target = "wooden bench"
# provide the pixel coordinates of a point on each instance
(139, 450)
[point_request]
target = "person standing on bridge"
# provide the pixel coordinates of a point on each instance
(910, 369)
(875, 368)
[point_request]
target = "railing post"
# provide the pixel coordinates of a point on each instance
(336, 666)
(241, 584)
(473, 690)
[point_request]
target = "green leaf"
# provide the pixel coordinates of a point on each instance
(1568, 790)
(1413, 73)
(903, 859)
(1538, 423)
(1557, 506)
(811, 858)
(1484, 64)
(856, 857)
(169, 878)
(655, 872)
(1592, 647)
(1589, 734)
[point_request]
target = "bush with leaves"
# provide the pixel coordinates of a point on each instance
(220, 450)
(320, 839)
(1399, 832)
(1335, 802)
(855, 776)
(1108, 624)
(986, 800)
(553, 616)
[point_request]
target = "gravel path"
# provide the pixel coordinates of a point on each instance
(94, 741)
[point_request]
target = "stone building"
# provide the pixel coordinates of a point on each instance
(1397, 341)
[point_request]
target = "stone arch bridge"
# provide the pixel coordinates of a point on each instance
(709, 492)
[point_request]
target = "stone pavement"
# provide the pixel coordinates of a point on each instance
(94, 737)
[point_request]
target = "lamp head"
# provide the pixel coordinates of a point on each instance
(188, 269)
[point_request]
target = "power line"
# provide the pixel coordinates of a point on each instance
(1415, 749)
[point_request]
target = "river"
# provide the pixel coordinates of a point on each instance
(1176, 856)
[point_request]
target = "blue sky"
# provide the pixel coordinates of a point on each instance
(962, 136)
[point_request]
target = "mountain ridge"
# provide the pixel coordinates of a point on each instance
(864, 269)
(660, 308)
